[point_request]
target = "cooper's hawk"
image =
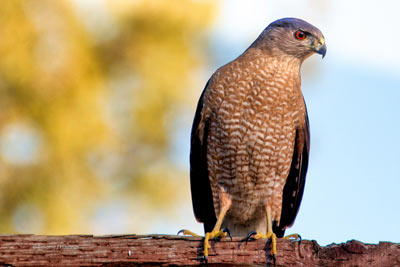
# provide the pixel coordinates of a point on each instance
(250, 136)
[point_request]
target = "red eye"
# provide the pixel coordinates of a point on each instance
(300, 35)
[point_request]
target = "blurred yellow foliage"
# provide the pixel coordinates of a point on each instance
(90, 92)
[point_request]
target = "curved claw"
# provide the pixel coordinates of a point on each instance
(226, 230)
(249, 236)
(181, 232)
(294, 237)
(187, 232)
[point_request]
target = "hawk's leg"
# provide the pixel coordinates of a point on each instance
(217, 232)
(225, 204)
(269, 234)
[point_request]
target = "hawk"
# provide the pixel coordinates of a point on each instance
(250, 138)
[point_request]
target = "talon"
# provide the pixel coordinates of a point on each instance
(206, 245)
(187, 232)
(296, 237)
(274, 259)
(181, 232)
(216, 235)
(250, 235)
(226, 230)
(269, 235)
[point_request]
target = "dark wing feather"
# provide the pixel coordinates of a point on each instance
(202, 199)
(294, 187)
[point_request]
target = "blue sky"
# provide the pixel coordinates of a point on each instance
(352, 97)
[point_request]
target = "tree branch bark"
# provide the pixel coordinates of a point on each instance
(131, 250)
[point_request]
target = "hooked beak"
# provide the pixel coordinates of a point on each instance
(320, 48)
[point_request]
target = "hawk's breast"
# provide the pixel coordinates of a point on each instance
(251, 135)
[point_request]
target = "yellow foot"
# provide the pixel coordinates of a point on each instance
(187, 232)
(296, 237)
(255, 235)
(213, 235)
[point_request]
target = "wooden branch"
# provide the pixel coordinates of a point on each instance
(131, 250)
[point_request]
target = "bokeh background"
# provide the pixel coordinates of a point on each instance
(97, 99)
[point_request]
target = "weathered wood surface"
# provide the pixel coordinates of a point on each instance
(131, 250)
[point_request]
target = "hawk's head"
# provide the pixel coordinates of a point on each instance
(293, 37)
